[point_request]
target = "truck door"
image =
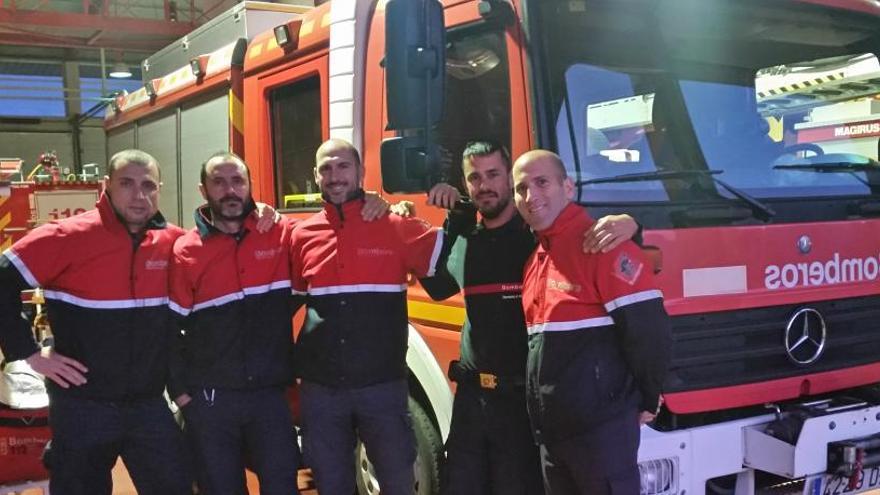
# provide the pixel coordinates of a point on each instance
(291, 108)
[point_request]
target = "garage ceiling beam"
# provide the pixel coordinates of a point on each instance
(146, 46)
(111, 24)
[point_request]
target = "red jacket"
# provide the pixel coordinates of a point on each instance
(599, 336)
(353, 275)
(106, 295)
(234, 294)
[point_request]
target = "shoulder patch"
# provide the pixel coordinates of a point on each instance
(627, 269)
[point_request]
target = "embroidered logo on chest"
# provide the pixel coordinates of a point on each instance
(266, 254)
(374, 252)
(563, 285)
(156, 264)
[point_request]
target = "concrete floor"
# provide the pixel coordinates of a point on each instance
(122, 482)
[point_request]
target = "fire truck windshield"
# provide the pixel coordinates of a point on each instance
(780, 101)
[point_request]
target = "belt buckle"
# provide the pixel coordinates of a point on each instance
(488, 380)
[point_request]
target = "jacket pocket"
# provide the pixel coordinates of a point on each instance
(571, 396)
(611, 379)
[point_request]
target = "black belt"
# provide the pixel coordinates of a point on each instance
(482, 379)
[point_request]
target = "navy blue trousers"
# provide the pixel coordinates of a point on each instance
(88, 436)
(227, 428)
(490, 449)
(333, 419)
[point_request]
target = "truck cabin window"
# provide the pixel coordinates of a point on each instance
(477, 95)
(296, 134)
(781, 108)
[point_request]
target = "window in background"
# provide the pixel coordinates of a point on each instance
(30, 89)
(296, 134)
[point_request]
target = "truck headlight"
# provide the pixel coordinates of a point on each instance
(659, 476)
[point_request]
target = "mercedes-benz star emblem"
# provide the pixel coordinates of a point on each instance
(805, 336)
(804, 244)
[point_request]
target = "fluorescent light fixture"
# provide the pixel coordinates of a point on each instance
(120, 71)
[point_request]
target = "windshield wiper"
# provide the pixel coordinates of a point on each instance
(837, 167)
(759, 209)
(833, 167)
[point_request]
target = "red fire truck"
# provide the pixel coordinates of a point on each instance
(28, 201)
(740, 133)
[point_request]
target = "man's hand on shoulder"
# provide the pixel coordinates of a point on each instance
(60, 369)
(266, 217)
(609, 232)
(375, 206)
(443, 195)
(404, 209)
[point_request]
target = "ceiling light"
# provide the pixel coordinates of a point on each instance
(120, 71)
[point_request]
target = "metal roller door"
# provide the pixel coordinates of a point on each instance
(158, 137)
(204, 129)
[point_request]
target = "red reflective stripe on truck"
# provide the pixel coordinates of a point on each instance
(717, 399)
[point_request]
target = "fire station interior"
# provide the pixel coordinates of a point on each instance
(62, 62)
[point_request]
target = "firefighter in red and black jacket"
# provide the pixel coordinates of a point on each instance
(351, 351)
(104, 274)
(599, 340)
(231, 285)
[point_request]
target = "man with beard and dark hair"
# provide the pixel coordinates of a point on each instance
(231, 285)
(490, 449)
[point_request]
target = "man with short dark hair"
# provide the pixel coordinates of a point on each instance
(351, 351)
(599, 340)
(104, 275)
(490, 449)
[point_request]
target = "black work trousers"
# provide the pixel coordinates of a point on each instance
(333, 420)
(601, 461)
(490, 450)
(89, 435)
(227, 428)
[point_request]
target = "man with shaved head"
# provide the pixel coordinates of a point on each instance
(351, 350)
(599, 340)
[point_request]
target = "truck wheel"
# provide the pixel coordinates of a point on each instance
(429, 452)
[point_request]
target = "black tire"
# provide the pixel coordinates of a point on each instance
(429, 454)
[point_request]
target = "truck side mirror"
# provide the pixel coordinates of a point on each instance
(405, 165)
(415, 63)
